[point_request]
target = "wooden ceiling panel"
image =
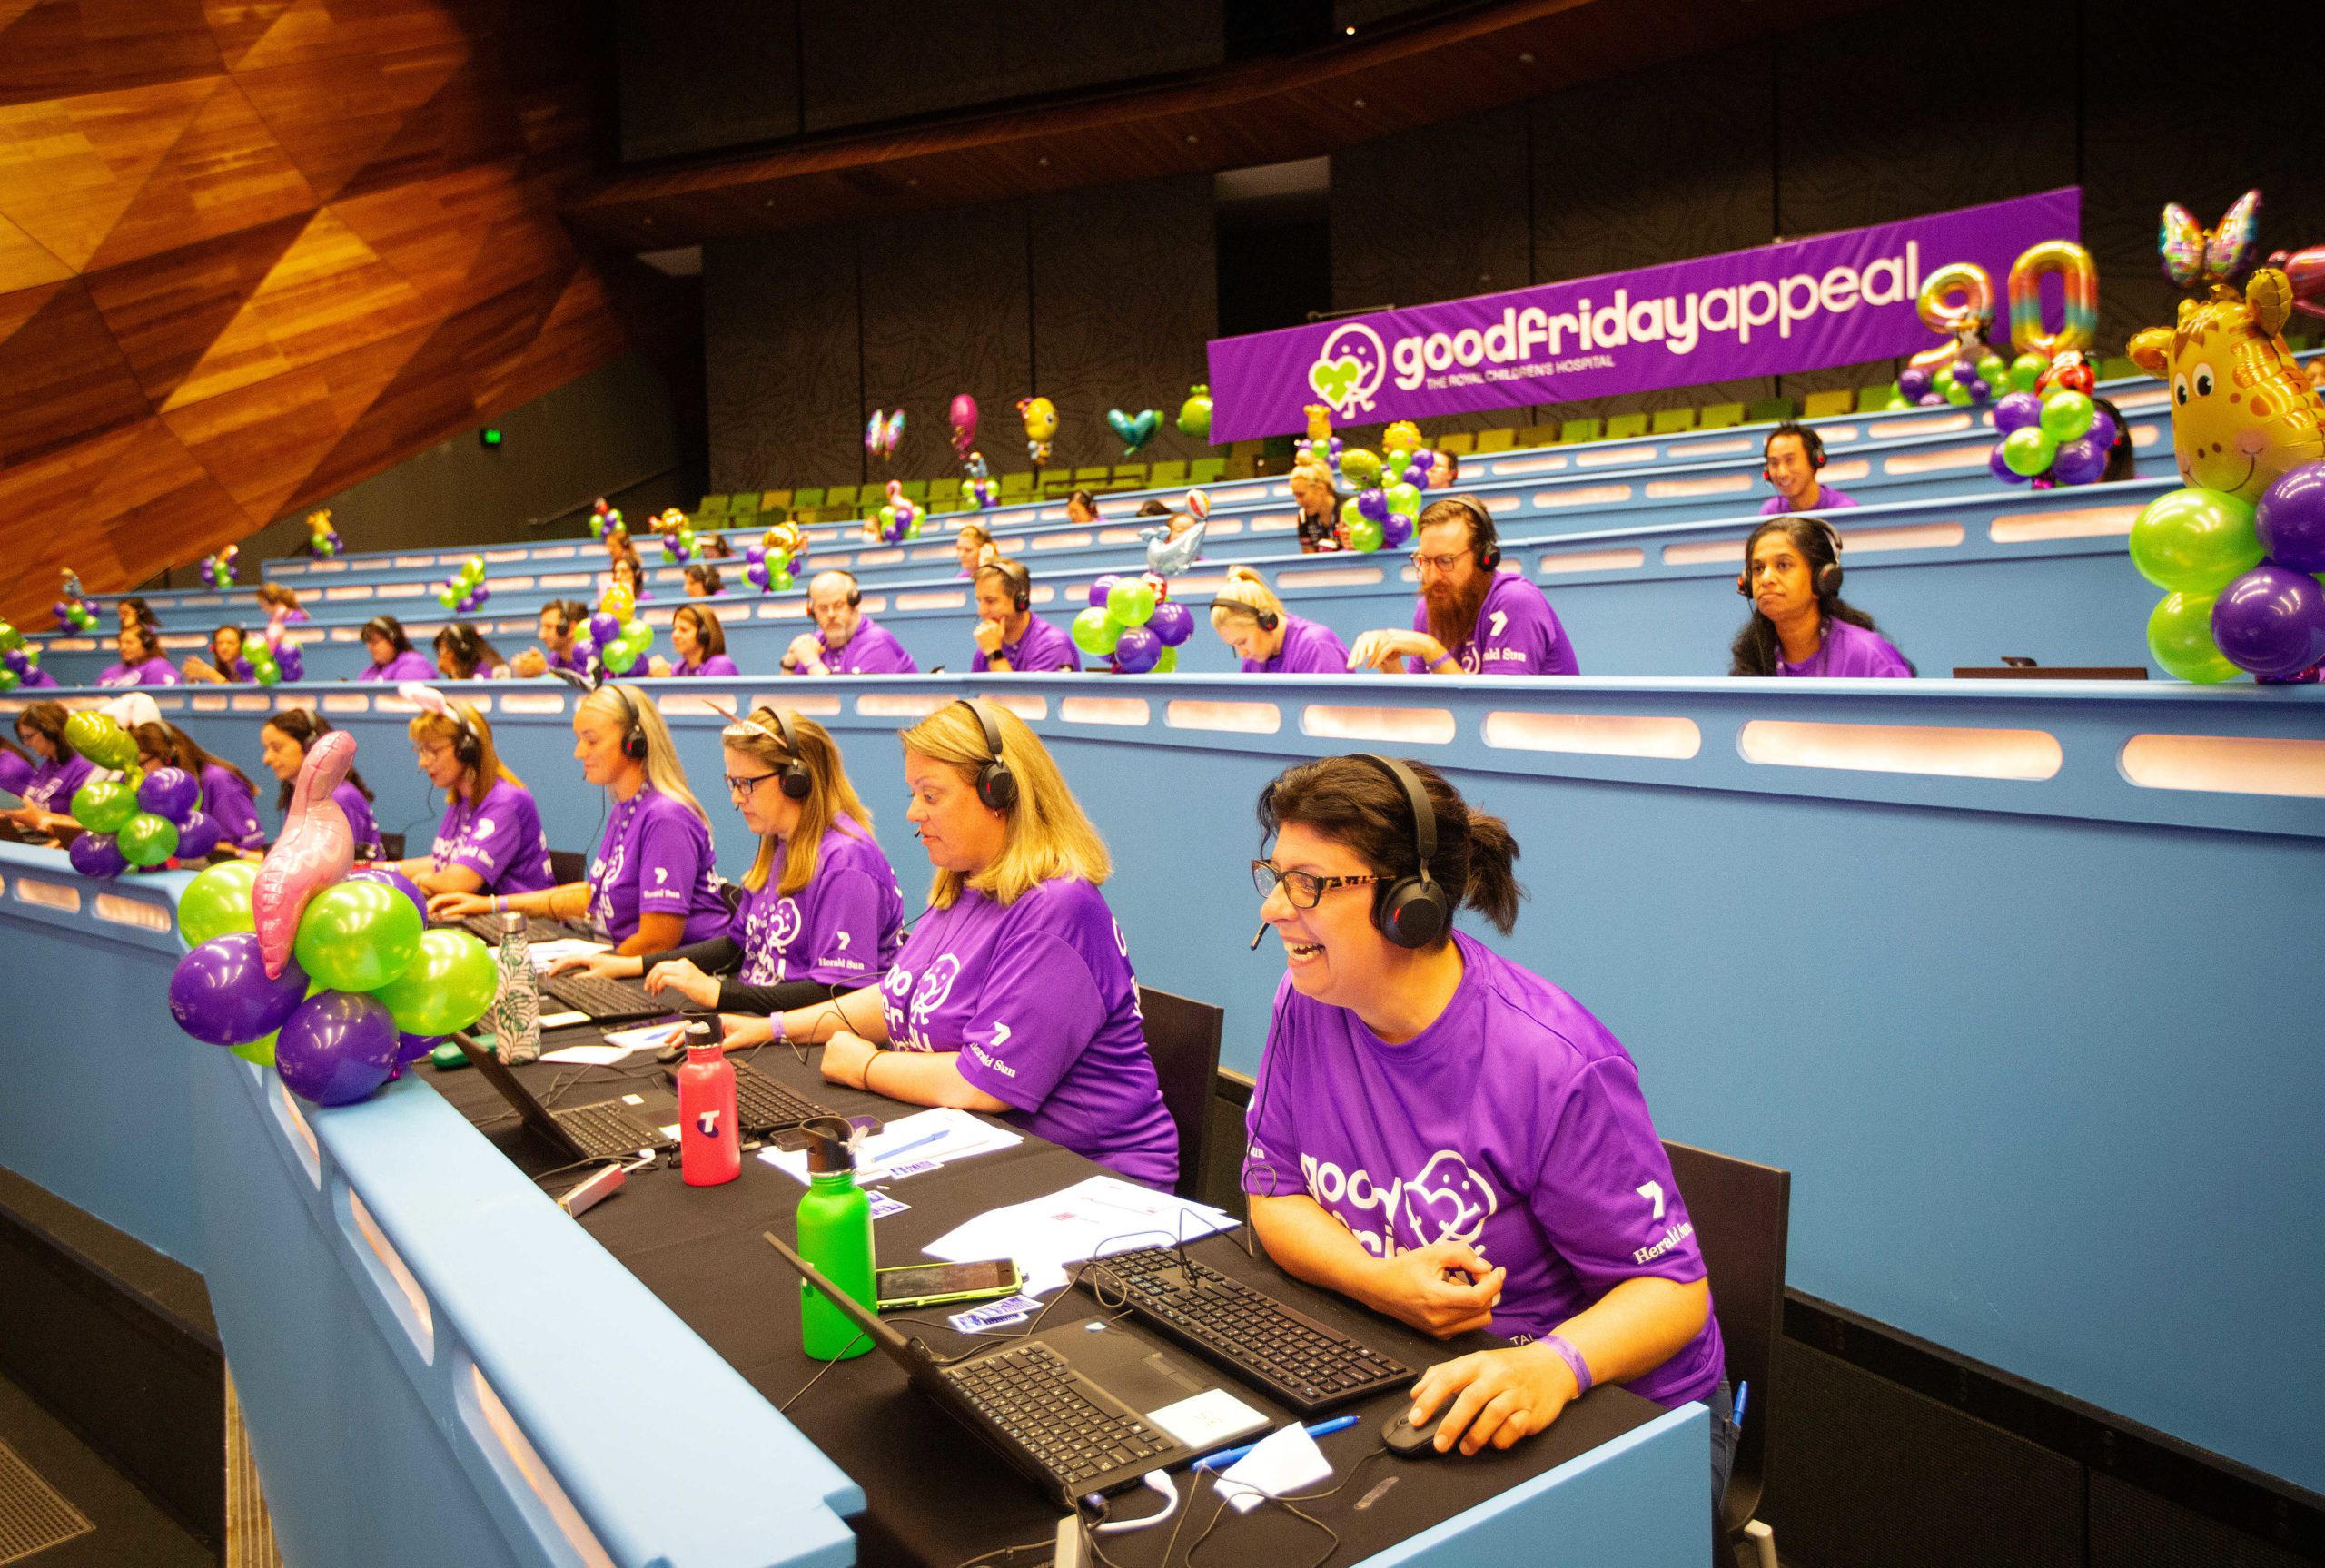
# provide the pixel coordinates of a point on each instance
(417, 234)
(166, 310)
(310, 31)
(428, 399)
(39, 499)
(152, 483)
(223, 175)
(463, 122)
(61, 380)
(65, 48)
(261, 440)
(75, 165)
(334, 116)
(237, 25)
(24, 261)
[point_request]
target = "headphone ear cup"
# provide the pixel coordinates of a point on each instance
(1828, 579)
(1413, 913)
(1267, 619)
(797, 782)
(997, 786)
(1490, 558)
(633, 745)
(1743, 584)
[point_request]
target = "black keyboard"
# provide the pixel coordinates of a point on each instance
(763, 1105)
(602, 1129)
(487, 926)
(607, 997)
(1299, 1361)
(1030, 1394)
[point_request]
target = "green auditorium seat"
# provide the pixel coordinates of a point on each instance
(806, 500)
(1162, 476)
(1460, 442)
(1719, 416)
(1016, 486)
(1873, 400)
(1768, 411)
(915, 490)
(1626, 426)
(1206, 471)
(1672, 421)
(1246, 466)
(1129, 477)
(1575, 430)
(1825, 405)
(840, 496)
(711, 506)
(774, 500)
(1092, 476)
(1499, 440)
(1539, 435)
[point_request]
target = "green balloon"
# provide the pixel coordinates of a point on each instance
(2028, 450)
(148, 840)
(102, 805)
(8, 679)
(267, 671)
(2179, 637)
(1944, 380)
(2025, 370)
(1360, 469)
(2067, 414)
(1130, 602)
(619, 657)
(1991, 370)
(1095, 633)
(100, 738)
(1364, 535)
(261, 1051)
(1166, 662)
(449, 984)
(1958, 395)
(218, 901)
(357, 936)
(2192, 541)
(1405, 499)
(446, 598)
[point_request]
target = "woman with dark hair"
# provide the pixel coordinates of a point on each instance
(227, 797)
(226, 666)
(1800, 625)
(1319, 507)
(393, 658)
(142, 664)
(704, 582)
(1081, 507)
(700, 643)
(45, 779)
(716, 545)
(280, 603)
(627, 571)
(1406, 1056)
(2123, 462)
(463, 654)
(134, 611)
(284, 741)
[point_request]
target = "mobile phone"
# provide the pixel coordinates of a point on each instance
(936, 1284)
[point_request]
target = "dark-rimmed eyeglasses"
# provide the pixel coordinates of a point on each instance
(741, 788)
(1303, 888)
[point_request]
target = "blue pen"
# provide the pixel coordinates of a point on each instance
(1742, 1392)
(888, 1155)
(1227, 1456)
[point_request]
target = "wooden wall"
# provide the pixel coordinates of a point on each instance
(253, 253)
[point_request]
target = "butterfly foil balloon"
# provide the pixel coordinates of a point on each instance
(883, 432)
(2196, 258)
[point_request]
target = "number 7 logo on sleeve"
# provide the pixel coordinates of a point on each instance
(1653, 1193)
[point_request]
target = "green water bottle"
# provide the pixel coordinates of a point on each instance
(836, 1236)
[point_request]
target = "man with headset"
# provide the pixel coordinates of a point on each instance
(845, 642)
(1794, 454)
(560, 627)
(1472, 618)
(1009, 638)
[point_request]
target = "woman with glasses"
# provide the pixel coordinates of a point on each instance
(283, 742)
(653, 884)
(1014, 994)
(821, 911)
(1472, 618)
(1450, 1138)
(700, 643)
(1270, 639)
(490, 839)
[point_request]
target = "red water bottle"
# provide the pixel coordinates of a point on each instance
(710, 1147)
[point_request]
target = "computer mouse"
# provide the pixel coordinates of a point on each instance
(1406, 1440)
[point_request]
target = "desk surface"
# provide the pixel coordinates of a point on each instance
(935, 1497)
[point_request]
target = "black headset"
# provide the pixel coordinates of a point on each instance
(1483, 535)
(1412, 910)
(855, 590)
(564, 616)
(796, 782)
(997, 785)
(1020, 581)
(1828, 576)
(1811, 444)
(633, 740)
(468, 746)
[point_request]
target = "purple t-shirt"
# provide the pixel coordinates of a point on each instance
(1828, 499)
(236, 672)
(360, 820)
(1849, 650)
(154, 672)
(1309, 648)
(1514, 1123)
(655, 859)
(37, 676)
(571, 660)
(716, 664)
(411, 665)
(871, 650)
(16, 772)
(1043, 648)
(499, 839)
(1041, 1003)
(226, 801)
(841, 929)
(1517, 634)
(51, 784)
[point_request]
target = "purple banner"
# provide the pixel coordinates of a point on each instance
(1836, 300)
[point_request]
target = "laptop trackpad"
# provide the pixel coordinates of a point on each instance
(1127, 1368)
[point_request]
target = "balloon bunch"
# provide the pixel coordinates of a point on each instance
(1134, 431)
(19, 659)
(1320, 446)
(616, 638)
(767, 565)
(1168, 554)
(1377, 514)
(323, 539)
(1195, 414)
(964, 424)
(1966, 370)
(898, 519)
(883, 432)
(323, 972)
(605, 519)
(277, 656)
(1041, 425)
(139, 819)
(2237, 551)
(2053, 433)
(218, 570)
(978, 490)
(678, 542)
(464, 592)
(1135, 621)
(72, 609)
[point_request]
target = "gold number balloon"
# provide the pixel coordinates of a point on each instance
(1950, 320)
(2079, 327)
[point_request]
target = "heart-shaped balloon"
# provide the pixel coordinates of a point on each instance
(1135, 429)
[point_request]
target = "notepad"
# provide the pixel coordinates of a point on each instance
(1098, 1215)
(905, 1146)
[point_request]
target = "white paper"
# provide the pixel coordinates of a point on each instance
(913, 1144)
(645, 1036)
(1285, 1460)
(1096, 1216)
(545, 953)
(1209, 1419)
(587, 1055)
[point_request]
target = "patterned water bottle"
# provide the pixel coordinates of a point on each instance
(516, 1011)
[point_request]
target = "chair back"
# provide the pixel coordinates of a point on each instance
(1741, 1212)
(1183, 1037)
(567, 865)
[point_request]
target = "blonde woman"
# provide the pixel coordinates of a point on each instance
(653, 882)
(490, 840)
(1013, 995)
(821, 909)
(1270, 639)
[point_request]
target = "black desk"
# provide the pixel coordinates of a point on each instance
(935, 1495)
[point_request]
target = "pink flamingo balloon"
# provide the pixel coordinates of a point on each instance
(315, 850)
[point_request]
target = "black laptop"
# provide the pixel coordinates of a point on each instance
(1079, 1409)
(583, 1132)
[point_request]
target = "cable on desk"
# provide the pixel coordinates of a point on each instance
(818, 1377)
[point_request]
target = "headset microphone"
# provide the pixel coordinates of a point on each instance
(1258, 934)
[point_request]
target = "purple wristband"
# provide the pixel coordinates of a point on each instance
(1573, 1359)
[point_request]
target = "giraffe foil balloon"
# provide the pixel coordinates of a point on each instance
(2242, 413)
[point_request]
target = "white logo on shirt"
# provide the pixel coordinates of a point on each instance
(935, 985)
(484, 827)
(787, 921)
(1653, 1193)
(1448, 1200)
(843, 938)
(661, 873)
(1500, 619)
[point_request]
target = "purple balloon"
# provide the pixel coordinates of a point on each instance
(197, 836)
(1396, 529)
(1979, 391)
(755, 554)
(755, 573)
(62, 611)
(603, 627)
(1136, 651)
(387, 876)
(2017, 411)
(1374, 504)
(1417, 477)
(221, 994)
(1100, 589)
(1931, 400)
(170, 793)
(1913, 384)
(410, 1047)
(2103, 430)
(338, 1046)
(482, 595)
(14, 659)
(1170, 622)
(291, 661)
(2291, 519)
(2079, 462)
(2002, 470)
(96, 854)
(2271, 621)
